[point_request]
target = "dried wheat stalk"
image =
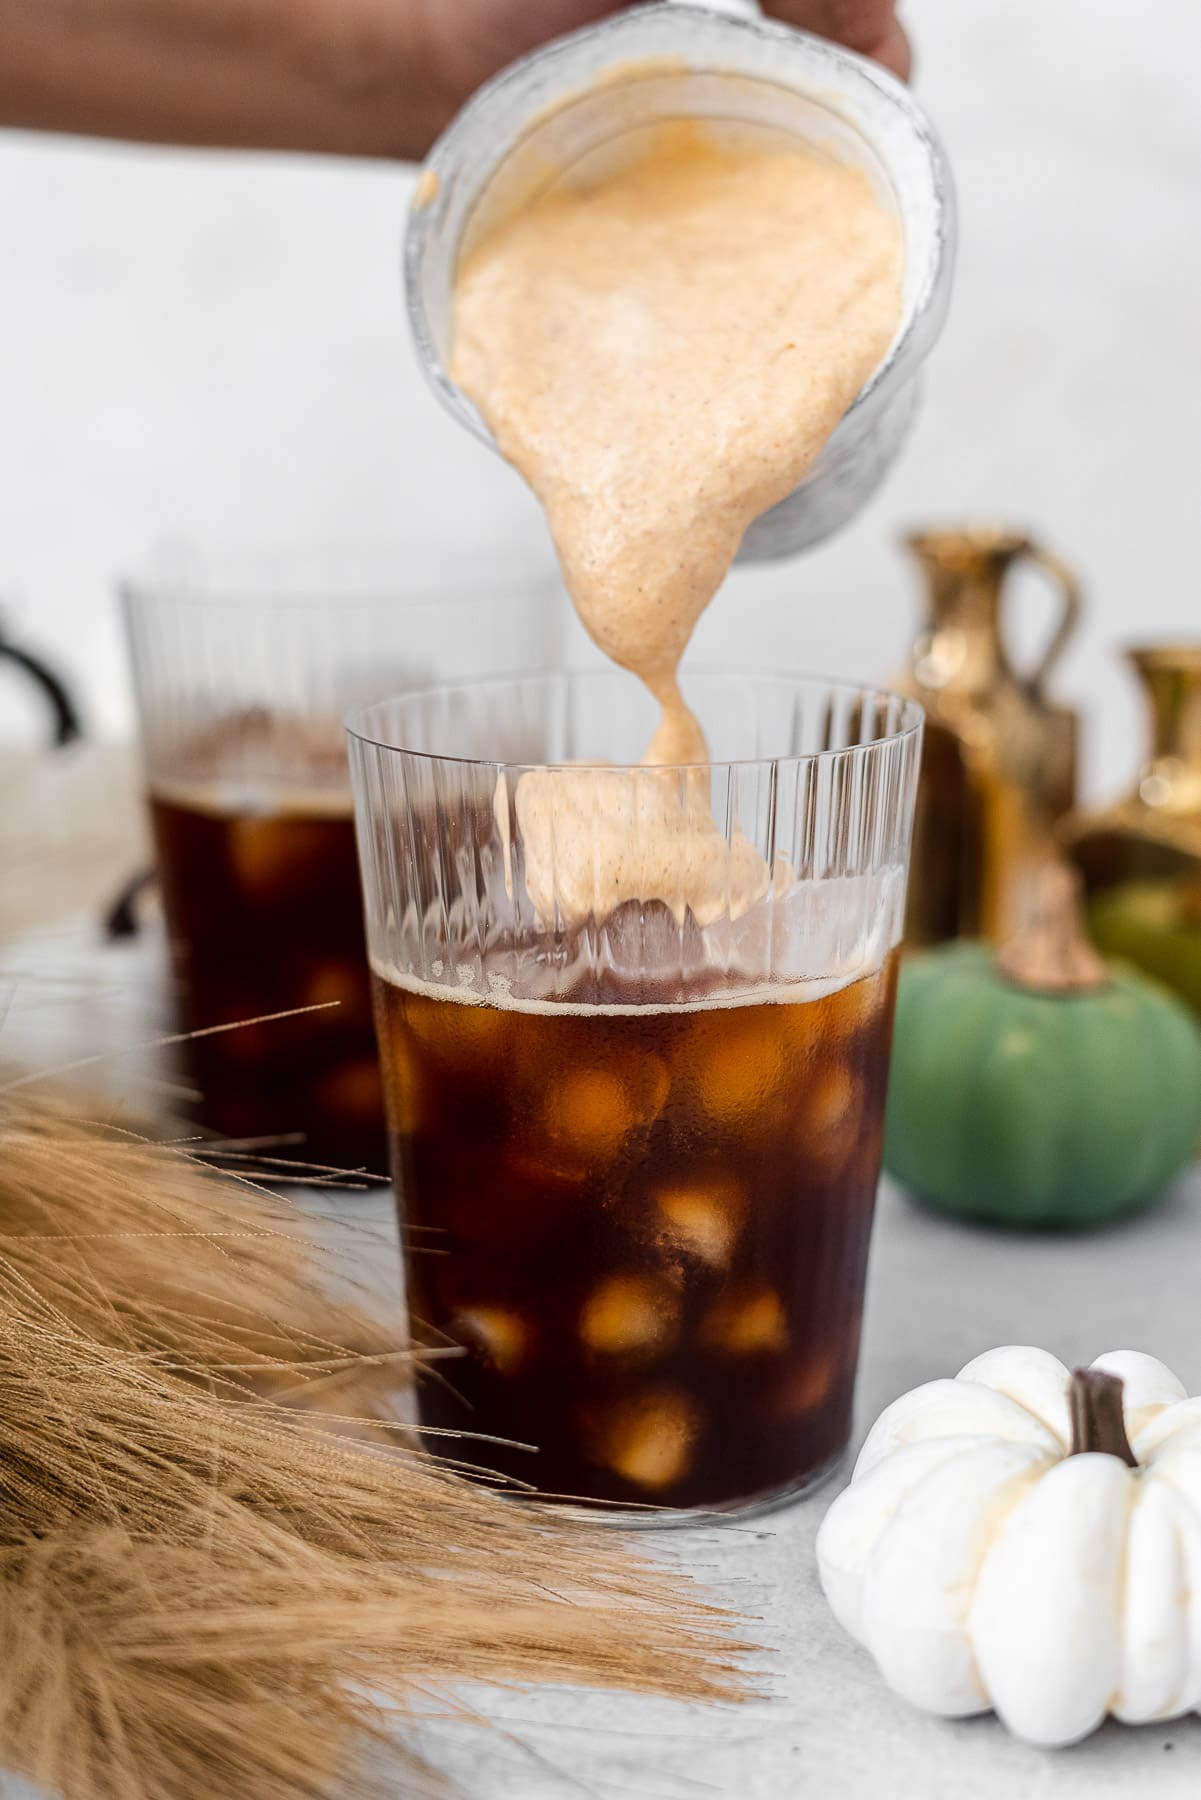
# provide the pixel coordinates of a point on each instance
(154, 1247)
(200, 1588)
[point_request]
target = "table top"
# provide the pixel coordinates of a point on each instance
(939, 1293)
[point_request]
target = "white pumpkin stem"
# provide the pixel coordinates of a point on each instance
(1095, 1404)
(1052, 954)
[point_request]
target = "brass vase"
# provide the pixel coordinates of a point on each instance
(999, 770)
(1141, 857)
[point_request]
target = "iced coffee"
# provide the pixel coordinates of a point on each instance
(645, 1219)
(242, 688)
(265, 917)
(636, 1144)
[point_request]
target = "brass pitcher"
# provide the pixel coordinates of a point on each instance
(999, 768)
(1156, 829)
(1141, 857)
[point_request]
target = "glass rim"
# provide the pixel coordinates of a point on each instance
(358, 722)
(358, 587)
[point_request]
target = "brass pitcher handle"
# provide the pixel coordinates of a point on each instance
(1064, 580)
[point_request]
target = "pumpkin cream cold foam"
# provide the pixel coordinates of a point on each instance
(662, 353)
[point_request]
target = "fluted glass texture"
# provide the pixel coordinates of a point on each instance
(636, 1142)
(243, 672)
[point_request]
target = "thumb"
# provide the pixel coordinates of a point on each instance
(868, 26)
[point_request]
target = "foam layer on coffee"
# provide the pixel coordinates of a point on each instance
(662, 353)
(250, 796)
(501, 996)
(261, 764)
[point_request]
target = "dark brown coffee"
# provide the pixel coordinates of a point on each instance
(265, 914)
(646, 1226)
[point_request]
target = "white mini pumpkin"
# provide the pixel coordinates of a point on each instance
(1029, 1540)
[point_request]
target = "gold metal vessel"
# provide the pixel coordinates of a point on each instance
(1141, 857)
(999, 769)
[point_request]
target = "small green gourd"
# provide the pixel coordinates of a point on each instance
(1156, 925)
(1041, 1086)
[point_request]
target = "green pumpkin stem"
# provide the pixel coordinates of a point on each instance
(1095, 1404)
(1052, 954)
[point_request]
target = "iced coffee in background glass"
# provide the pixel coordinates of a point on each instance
(636, 1142)
(243, 675)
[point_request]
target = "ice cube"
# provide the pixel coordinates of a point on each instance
(858, 1006)
(552, 968)
(830, 1111)
(737, 1069)
(587, 1111)
(829, 1097)
(702, 1221)
(341, 983)
(869, 1151)
(803, 1028)
(273, 747)
(834, 929)
(351, 1092)
(460, 1033)
(645, 938)
(274, 856)
(590, 1111)
(245, 1046)
(630, 1316)
(743, 946)
(649, 1440)
(401, 1079)
(501, 1337)
(804, 1388)
(747, 1323)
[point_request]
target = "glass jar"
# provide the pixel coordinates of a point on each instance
(573, 100)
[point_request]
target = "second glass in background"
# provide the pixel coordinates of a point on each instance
(243, 675)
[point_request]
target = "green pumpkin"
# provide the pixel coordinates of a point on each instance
(1035, 1108)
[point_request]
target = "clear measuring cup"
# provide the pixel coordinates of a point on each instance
(570, 104)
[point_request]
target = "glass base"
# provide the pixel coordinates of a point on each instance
(667, 1518)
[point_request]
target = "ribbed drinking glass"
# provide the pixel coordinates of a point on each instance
(636, 1156)
(243, 674)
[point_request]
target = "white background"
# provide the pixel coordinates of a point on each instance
(213, 347)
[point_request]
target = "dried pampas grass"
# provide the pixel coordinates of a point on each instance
(203, 1593)
(152, 1246)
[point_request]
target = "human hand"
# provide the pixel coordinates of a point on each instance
(469, 40)
(356, 77)
(869, 26)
